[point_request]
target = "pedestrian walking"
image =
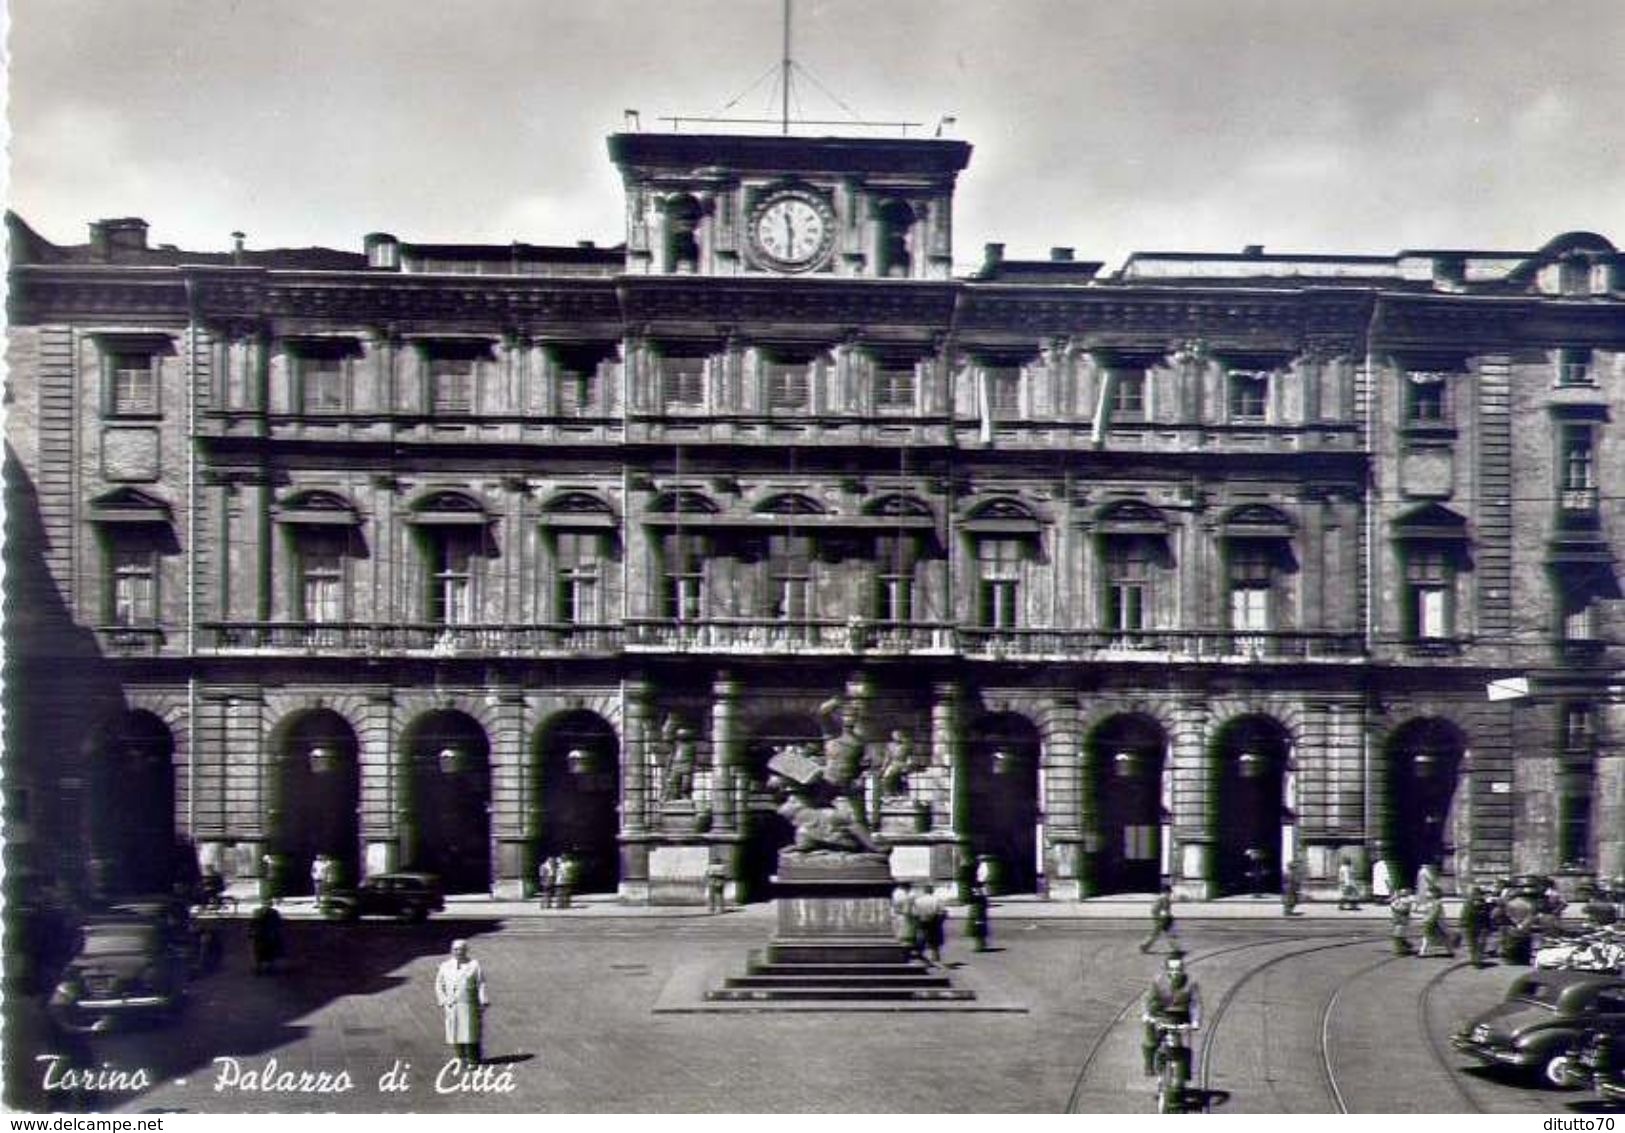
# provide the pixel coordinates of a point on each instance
(716, 880)
(931, 916)
(987, 873)
(1427, 882)
(265, 938)
(1399, 919)
(546, 880)
(1291, 887)
(1435, 932)
(1475, 925)
(567, 874)
(1348, 891)
(977, 926)
(1162, 918)
(902, 916)
(459, 989)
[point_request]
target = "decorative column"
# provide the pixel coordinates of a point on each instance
(726, 756)
(1190, 781)
(513, 798)
(948, 756)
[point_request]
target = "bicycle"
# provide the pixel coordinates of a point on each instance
(1173, 1065)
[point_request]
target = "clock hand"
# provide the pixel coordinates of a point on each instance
(789, 233)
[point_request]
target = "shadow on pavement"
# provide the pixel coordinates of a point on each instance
(232, 1012)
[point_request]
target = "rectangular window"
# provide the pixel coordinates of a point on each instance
(577, 555)
(1251, 569)
(1579, 728)
(451, 577)
(790, 577)
(134, 590)
(1429, 588)
(894, 591)
(577, 390)
(321, 577)
(787, 386)
(1426, 398)
(133, 382)
(682, 381)
(999, 604)
(1128, 584)
(1004, 391)
(1574, 366)
(1249, 395)
(1579, 459)
(451, 386)
(682, 595)
(1579, 618)
(1128, 395)
(894, 388)
(321, 383)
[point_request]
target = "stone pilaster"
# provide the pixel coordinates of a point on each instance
(1190, 773)
(727, 753)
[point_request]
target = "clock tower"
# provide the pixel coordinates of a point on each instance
(731, 205)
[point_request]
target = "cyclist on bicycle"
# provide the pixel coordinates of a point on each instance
(1172, 1000)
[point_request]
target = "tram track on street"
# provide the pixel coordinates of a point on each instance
(1214, 1020)
(1339, 940)
(1440, 1052)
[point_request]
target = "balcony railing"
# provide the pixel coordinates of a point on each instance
(771, 635)
(414, 639)
(1160, 645)
(130, 641)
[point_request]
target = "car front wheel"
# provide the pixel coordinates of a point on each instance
(1554, 1071)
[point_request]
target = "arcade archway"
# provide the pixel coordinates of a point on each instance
(578, 760)
(447, 800)
(1423, 764)
(1126, 755)
(1250, 760)
(1001, 807)
(316, 796)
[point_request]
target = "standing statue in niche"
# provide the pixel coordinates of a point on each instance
(677, 754)
(899, 761)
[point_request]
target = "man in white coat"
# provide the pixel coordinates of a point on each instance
(459, 988)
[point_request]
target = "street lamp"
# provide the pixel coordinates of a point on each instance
(322, 759)
(452, 759)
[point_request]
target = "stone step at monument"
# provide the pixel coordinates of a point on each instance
(841, 994)
(836, 951)
(758, 968)
(845, 980)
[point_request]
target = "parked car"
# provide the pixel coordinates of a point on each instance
(125, 967)
(1600, 1063)
(195, 940)
(409, 896)
(1543, 1021)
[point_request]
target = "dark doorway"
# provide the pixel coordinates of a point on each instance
(766, 831)
(1250, 761)
(1001, 807)
(1126, 754)
(317, 790)
(448, 800)
(1424, 759)
(133, 809)
(578, 759)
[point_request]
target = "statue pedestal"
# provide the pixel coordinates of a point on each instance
(835, 940)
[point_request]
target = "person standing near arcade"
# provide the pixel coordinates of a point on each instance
(459, 989)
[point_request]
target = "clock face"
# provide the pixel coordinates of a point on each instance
(792, 230)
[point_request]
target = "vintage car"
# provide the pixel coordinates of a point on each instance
(126, 967)
(1600, 1063)
(1543, 1021)
(406, 895)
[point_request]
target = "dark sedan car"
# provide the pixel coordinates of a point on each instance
(409, 896)
(1600, 1063)
(1543, 1022)
(125, 967)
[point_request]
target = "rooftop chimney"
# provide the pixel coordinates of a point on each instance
(237, 241)
(1253, 250)
(992, 257)
(108, 238)
(1060, 255)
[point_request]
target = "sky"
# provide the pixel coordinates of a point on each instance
(1111, 126)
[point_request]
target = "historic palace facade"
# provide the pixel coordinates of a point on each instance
(458, 557)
